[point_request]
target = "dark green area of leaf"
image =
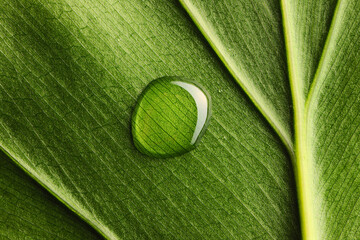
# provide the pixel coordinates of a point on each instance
(29, 211)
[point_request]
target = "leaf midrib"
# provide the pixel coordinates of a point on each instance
(303, 165)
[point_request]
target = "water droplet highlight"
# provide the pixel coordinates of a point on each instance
(170, 117)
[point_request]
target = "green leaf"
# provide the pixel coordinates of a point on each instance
(66, 120)
(79, 70)
(247, 36)
(333, 126)
(326, 148)
(27, 210)
(306, 26)
(71, 72)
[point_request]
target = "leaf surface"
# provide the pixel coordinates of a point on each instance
(247, 36)
(306, 26)
(332, 133)
(71, 72)
(27, 210)
(325, 121)
(65, 118)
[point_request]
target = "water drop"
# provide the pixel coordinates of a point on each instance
(170, 117)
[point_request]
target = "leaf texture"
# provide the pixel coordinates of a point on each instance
(65, 118)
(306, 26)
(28, 211)
(70, 75)
(248, 38)
(333, 128)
